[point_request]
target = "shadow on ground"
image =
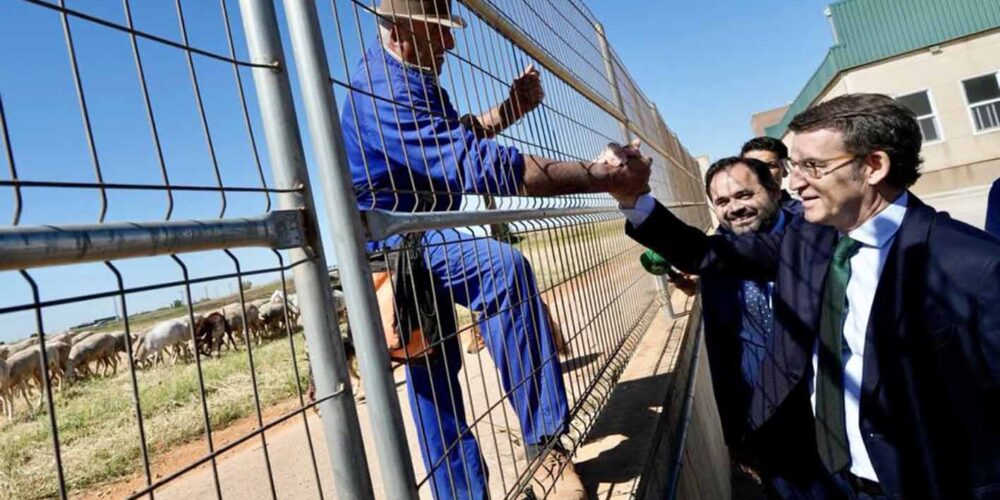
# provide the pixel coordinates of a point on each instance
(625, 426)
(576, 363)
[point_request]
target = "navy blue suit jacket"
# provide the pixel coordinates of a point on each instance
(930, 395)
(723, 310)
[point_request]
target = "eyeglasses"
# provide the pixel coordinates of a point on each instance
(816, 169)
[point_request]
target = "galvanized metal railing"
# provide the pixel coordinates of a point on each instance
(554, 269)
(236, 224)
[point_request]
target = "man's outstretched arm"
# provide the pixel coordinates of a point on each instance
(750, 256)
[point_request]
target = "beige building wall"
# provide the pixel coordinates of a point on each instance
(958, 169)
(760, 121)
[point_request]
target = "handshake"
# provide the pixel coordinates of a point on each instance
(627, 171)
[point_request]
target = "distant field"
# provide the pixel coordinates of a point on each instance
(142, 321)
(97, 424)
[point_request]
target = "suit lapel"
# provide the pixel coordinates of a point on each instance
(814, 256)
(898, 288)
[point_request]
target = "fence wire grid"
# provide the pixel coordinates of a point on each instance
(174, 326)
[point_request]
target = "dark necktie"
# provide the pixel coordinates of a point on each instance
(831, 429)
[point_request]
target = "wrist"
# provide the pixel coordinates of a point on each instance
(626, 201)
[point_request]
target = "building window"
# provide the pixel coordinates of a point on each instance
(983, 96)
(920, 104)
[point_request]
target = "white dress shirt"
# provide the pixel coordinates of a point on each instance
(638, 214)
(876, 237)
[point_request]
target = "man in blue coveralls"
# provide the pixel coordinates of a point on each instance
(410, 151)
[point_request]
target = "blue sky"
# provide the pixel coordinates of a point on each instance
(707, 65)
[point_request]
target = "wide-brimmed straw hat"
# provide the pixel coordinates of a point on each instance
(428, 11)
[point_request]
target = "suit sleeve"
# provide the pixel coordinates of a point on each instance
(751, 256)
(988, 323)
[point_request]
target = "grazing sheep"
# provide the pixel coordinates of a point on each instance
(148, 348)
(83, 334)
(211, 332)
(8, 350)
(245, 329)
(5, 400)
(70, 337)
(293, 307)
(121, 341)
(272, 317)
(57, 355)
(22, 368)
(99, 349)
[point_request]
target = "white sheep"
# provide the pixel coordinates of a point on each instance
(98, 348)
(22, 367)
(5, 400)
(253, 326)
(149, 346)
(57, 355)
(8, 350)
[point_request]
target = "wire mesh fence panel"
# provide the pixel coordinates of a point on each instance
(170, 322)
(158, 264)
(504, 307)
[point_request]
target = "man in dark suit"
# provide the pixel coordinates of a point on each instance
(746, 198)
(884, 362)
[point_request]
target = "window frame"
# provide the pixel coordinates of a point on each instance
(968, 105)
(934, 114)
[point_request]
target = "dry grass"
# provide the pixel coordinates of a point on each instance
(98, 429)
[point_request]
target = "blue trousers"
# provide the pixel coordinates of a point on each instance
(496, 281)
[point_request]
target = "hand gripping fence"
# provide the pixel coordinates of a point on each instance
(143, 240)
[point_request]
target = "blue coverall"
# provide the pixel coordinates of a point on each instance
(405, 143)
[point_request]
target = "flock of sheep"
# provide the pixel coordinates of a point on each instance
(73, 355)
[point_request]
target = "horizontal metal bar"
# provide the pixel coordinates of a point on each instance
(499, 22)
(143, 187)
(381, 223)
(23, 247)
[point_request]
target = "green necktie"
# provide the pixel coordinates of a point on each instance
(831, 429)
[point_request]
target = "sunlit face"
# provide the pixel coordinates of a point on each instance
(740, 201)
(835, 197)
(772, 160)
(423, 44)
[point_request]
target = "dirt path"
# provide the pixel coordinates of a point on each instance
(187, 453)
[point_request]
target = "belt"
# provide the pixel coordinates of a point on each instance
(862, 485)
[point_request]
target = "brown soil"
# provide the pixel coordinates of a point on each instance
(182, 455)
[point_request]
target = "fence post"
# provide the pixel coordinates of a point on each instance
(609, 68)
(312, 283)
(661, 281)
(663, 287)
(349, 247)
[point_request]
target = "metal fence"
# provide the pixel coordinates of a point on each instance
(185, 117)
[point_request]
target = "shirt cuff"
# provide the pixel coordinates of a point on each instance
(638, 214)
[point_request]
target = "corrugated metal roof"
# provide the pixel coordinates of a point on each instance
(871, 30)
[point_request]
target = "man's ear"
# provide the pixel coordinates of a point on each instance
(878, 166)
